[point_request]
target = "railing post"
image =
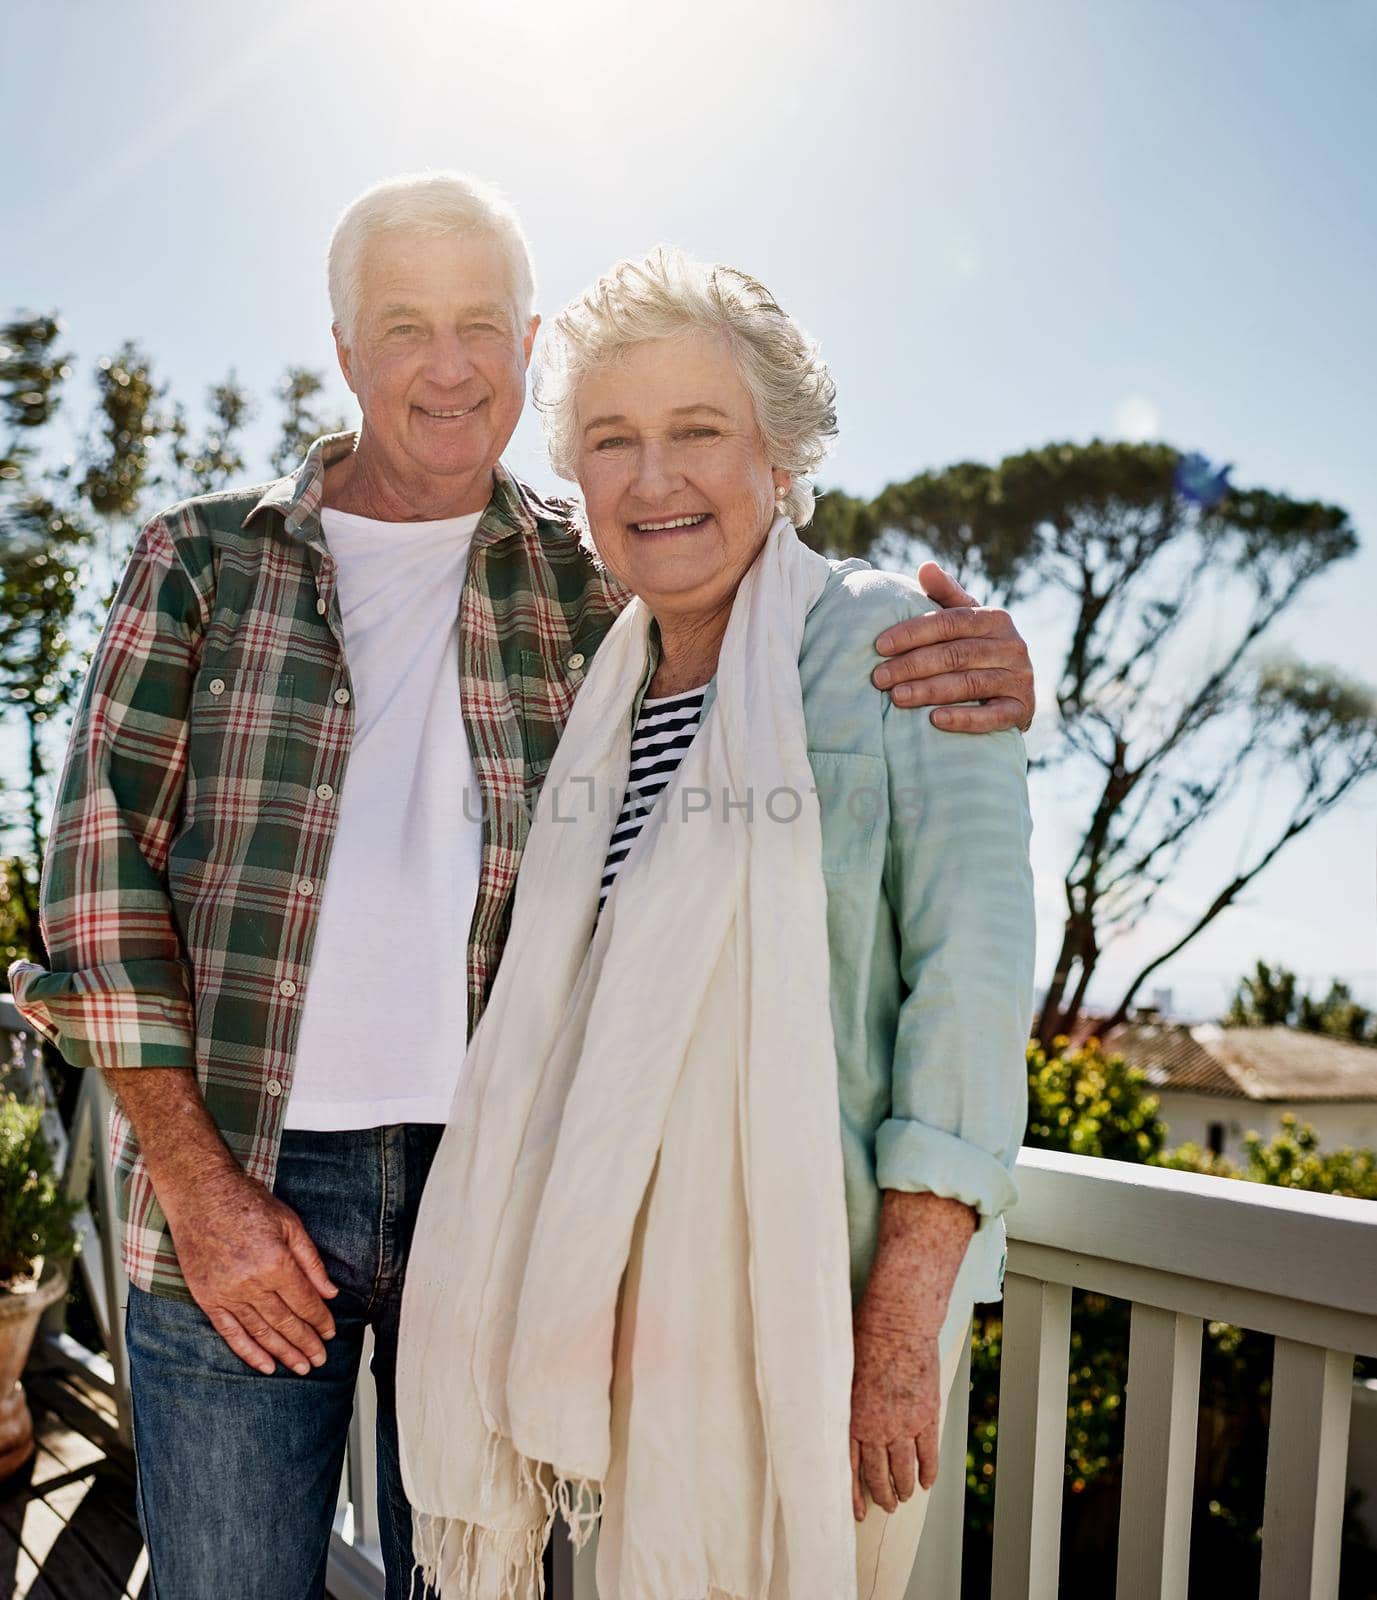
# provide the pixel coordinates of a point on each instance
(363, 1455)
(1307, 1458)
(115, 1280)
(1030, 1447)
(574, 1571)
(1159, 1455)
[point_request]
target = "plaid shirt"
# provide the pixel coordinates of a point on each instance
(197, 806)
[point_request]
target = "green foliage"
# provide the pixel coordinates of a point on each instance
(130, 427)
(216, 460)
(1267, 999)
(66, 526)
(1091, 1104)
(964, 515)
(1271, 998)
(1291, 1159)
(18, 929)
(35, 1215)
(1338, 1014)
(302, 419)
(43, 539)
(842, 526)
(32, 372)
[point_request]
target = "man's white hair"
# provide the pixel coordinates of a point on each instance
(670, 294)
(432, 203)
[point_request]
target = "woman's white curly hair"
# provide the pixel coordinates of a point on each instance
(665, 296)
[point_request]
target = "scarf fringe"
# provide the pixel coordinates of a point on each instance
(579, 1502)
(454, 1557)
(485, 1488)
(458, 1559)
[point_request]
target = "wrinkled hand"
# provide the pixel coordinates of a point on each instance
(896, 1409)
(963, 652)
(253, 1270)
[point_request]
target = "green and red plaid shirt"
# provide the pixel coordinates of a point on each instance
(197, 807)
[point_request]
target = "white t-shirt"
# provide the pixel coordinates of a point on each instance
(384, 1014)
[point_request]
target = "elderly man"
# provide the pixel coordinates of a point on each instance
(291, 817)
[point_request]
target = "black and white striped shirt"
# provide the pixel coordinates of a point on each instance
(664, 731)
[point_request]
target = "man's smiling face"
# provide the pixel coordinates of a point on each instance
(437, 358)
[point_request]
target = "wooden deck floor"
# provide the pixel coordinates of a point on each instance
(68, 1528)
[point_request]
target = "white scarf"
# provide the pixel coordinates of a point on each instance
(630, 1270)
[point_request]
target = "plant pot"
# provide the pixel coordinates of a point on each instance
(20, 1311)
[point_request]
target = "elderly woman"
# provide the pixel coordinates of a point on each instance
(751, 1078)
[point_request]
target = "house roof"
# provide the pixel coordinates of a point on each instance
(1247, 1063)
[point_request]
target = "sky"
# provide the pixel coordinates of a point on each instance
(1007, 223)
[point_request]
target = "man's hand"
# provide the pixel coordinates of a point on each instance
(251, 1267)
(247, 1259)
(896, 1409)
(963, 652)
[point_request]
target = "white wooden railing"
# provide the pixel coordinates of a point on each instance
(1182, 1248)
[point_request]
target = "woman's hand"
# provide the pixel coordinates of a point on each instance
(896, 1384)
(896, 1408)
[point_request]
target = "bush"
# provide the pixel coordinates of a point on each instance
(35, 1215)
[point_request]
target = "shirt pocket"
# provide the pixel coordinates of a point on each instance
(547, 698)
(853, 798)
(240, 723)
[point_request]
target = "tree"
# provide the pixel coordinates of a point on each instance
(1157, 726)
(143, 452)
(216, 460)
(1271, 998)
(842, 526)
(1339, 1015)
(67, 522)
(43, 540)
(302, 421)
(1265, 1000)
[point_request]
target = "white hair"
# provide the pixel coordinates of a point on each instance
(432, 203)
(668, 295)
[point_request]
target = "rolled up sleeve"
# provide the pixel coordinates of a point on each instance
(118, 992)
(960, 885)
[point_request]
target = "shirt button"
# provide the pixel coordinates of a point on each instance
(576, 660)
(324, 791)
(321, 607)
(287, 987)
(341, 697)
(305, 887)
(217, 686)
(274, 1088)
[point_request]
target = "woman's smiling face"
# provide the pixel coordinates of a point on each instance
(674, 472)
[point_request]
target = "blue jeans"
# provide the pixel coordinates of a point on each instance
(239, 1473)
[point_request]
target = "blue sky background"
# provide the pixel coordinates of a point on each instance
(1007, 222)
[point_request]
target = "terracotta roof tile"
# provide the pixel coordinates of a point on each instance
(1247, 1063)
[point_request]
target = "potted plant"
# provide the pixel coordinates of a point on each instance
(37, 1241)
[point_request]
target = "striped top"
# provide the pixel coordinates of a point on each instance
(664, 731)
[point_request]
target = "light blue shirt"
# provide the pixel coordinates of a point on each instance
(931, 929)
